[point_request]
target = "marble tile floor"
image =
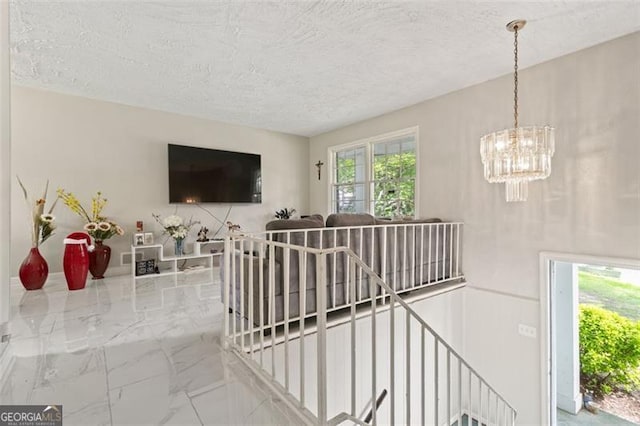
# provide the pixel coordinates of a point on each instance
(121, 352)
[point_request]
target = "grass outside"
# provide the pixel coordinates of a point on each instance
(611, 294)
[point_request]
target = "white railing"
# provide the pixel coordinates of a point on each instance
(334, 375)
(408, 256)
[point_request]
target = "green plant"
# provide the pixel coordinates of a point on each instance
(609, 351)
(285, 213)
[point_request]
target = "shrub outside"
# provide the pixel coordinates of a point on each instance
(609, 351)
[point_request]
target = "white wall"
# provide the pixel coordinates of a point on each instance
(85, 145)
(5, 176)
(589, 205)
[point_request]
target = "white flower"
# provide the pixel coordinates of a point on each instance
(119, 230)
(179, 233)
(91, 226)
(47, 218)
(172, 221)
(104, 226)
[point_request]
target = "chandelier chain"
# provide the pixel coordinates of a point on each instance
(515, 76)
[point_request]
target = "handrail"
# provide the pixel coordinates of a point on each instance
(343, 417)
(265, 343)
(415, 315)
(312, 250)
(375, 406)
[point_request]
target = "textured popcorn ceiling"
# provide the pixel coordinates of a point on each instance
(299, 67)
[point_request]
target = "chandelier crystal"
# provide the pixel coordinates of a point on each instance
(521, 154)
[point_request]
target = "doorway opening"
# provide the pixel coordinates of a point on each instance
(569, 284)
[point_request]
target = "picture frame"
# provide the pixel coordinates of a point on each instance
(148, 238)
(146, 267)
(138, 239)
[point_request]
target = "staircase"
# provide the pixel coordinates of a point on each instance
(375, 361)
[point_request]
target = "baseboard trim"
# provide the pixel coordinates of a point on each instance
(569, 404)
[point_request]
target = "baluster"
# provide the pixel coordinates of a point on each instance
(263, 249)
(404, 258)
(438, 227)
(372, 289)
(444, 250)
(234, 308)
(392, 363)
(287, 278)
(227, 281)
(321, 315)
(429, 262)
(451, 251)
(352, 289)
(459, 391)
(272, 307)
(423, 402)
(448, 385)
(408, 361)
(422, 255)
(302, 259)
(334, 269)
(457, 249)
(413, 256)
(436, 377)
(250, 324)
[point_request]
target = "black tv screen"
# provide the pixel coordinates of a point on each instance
(201, 175)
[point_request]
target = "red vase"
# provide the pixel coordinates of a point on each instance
(76, 260)
(99, 260)
(34, 270)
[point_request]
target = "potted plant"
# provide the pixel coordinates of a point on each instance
(285, 213)
(34, 269)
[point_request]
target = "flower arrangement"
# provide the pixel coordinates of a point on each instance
(43, 223)
(98, 226)
(175, 226)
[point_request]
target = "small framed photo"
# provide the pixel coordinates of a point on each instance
(148, 238)
(138, 239)
(146, 267)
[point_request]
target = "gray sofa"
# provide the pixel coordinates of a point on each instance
(340, 230)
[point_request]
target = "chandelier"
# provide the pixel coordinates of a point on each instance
(521, 154)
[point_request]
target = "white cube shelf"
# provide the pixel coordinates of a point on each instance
(174, 265)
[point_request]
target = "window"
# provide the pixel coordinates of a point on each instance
(376, 176)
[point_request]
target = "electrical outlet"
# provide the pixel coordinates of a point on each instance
(527, 330)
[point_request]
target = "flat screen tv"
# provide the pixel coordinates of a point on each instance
(201, 175)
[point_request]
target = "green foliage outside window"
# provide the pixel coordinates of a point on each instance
(393, 184)
(609, 351)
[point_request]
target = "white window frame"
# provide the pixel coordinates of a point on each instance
(368, 144)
